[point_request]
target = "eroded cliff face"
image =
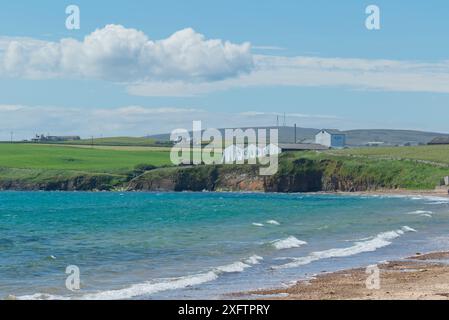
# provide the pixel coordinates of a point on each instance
(77, 182)
(294, 175)
(301, 175)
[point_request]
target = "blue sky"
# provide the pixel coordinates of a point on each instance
(399, 79)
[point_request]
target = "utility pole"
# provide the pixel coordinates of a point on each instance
(92, 141)
(295, 134)
(12, 135)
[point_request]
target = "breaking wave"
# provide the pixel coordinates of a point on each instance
(256, 224)
(287, 243)
(381, 240)
(422, 213)
(152, 287)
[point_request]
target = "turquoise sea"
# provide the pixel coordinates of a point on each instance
(201, 245)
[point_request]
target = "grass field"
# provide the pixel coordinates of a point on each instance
(381, 172)
(56, 157)
(114, 141)
(399, 167)
(118, 148)
(437, 154)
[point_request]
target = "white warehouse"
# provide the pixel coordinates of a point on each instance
(331, 138)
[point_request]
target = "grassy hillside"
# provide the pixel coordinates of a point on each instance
(298, 172)
(55, 157)
(56, 167)
(343, 171)
(437, 154)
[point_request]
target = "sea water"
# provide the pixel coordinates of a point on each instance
(201, 245)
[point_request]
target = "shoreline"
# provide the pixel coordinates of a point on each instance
(420, 277)
(380, 192)
(402, 192)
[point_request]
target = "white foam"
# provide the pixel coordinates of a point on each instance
(381, 240)
(287, 243)
(273, 222)
(437, 200)
(145, 288)
(258, 224)
(233, 267)
(420, 212)
(42, 296)
(253, 260)
(152, 287)
(408, 229)
(361, 239)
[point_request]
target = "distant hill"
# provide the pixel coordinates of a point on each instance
(115, 141)
(353, 137)
(391, 137)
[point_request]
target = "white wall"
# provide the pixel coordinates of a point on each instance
(329, 140)
(323, 138)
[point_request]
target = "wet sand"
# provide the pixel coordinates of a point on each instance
(422, 277)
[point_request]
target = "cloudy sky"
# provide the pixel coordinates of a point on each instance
(146, 67)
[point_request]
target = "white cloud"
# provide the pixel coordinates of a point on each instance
(188, 64)
(126, 55)
(272, 71)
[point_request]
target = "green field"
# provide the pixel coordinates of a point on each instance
(114, 141)
(36, 166)
(379, 171)
(55, 157)
(437, 154)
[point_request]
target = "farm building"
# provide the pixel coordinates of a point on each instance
(331, 138)
(301, 147)
(439, 141)
(235, 153)
(43, 138)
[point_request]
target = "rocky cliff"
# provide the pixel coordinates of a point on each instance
(303, 173)
(296, 174)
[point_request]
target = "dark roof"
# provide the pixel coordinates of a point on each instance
(63, 136)
(332, 131)
(440, 140)
(301, 146)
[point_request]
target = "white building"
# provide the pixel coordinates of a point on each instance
(331, 138)
(235, 153)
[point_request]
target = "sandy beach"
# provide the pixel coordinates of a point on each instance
(422, 277)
